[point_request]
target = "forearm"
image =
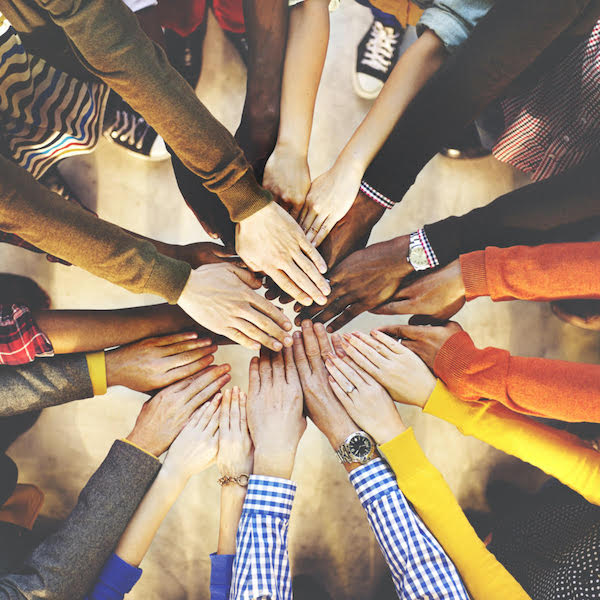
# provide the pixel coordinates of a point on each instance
(309, 28)
(142, 528)
(232, 502)
(558, 453)
(560, 209)
(535, 386)
(414, 68)
(90, 330)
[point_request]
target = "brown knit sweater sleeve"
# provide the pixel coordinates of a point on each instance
(110, 43)
(66, 230)
(541, 273)
(534, 386)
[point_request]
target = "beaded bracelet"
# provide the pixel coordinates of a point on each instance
(240, 480)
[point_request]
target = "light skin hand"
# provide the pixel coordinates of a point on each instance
(440, 294)
(424, 340)
(157, 362)
(287, 176)
(361, 282)
(271, 242)
(274, 409)
(223, 299)
(401, 372)
(195, 448)
(310, 350)
(236, 453)
(164, 416)
(366, 401)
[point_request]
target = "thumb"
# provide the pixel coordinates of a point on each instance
(247, 277)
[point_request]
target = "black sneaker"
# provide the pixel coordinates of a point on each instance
(130, 131)
(376, 56)
(240, 43)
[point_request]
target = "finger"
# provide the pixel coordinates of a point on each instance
(188, 346)
(291, 373)
(234, 410)
(369, 347)
(323, 339)
(240, 338)
(213, 424)
(336, 341)
(313, 254)
(361, 360)
(225, 424)
(243, 413)
(300, 358)
(308, 220)
(207, 410)
(206, 379)
(275, 315)
(349, 313)
(339, 377)
(313, 230)
(289, 287)
(388, 341)
(321, 314)
(184, 371)
(247, 277)
(340, 393)
(173, 362)
(252, 331)
(253, 377)
(303, 281)
(309, 268)
(311, 346)
(264, 367)
(278, 367)
(175, 338)
(350, 370)
(404, 332)
(208, 392)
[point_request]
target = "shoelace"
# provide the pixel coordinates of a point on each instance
(130, 125)
(380, 47)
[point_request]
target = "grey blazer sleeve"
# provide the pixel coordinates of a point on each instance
(67, 564)
(43, 383)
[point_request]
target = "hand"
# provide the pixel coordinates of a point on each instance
(275, 416)
(401, 372)
(271, 241)
(195, 448)
(366, 401)
(424, 340)
(236, 454)
(157, 362)
(439, 294)
(163, 417)
(206, 253)
(330, 197)
(222, 298)
(362, 282)
(352, 232)
(287, 176)
(310, 350)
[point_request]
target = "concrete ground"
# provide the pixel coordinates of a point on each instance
(329, 534)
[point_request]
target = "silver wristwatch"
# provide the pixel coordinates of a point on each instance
(358, 447)
(417, 256)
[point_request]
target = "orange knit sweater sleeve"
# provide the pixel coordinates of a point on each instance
(548, 272)
(534, 386)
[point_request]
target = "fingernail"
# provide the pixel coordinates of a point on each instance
(277, 346)
(288, 341)
(287, 326)
(321, 300)
(346, 336)
(297, 335)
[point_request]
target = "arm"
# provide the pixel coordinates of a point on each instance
(541, 273)
(418, 564)
(431, 498)
(557, 453)
(266, 30)
(536, 386)
(286, 173)
(67, 563)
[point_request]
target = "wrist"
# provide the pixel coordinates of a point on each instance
(139, 439)
(292, 148)
(351, 163)
(114, 372)
(172, 479)
(388, 431)
(273, 464)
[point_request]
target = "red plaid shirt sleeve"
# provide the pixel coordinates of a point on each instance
(21, 340)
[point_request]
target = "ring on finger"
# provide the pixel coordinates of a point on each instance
(352, 389)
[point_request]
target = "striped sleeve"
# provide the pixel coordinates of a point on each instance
(419, 566)
(261, 566)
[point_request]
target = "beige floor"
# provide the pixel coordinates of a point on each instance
(329, 533)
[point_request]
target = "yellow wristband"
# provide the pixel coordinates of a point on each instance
(97, 369)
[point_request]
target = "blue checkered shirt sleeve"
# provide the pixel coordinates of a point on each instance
(419, 566)
(261, 568)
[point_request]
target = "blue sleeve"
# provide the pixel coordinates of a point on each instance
(116, 580)
(221, 566)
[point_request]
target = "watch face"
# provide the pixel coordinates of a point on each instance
(418, 258)
(360, 446)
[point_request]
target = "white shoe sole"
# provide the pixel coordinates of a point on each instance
(139, 155)
(361, 92)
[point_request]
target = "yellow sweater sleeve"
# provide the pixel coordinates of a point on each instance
(424, 486)
(558, 453)
(97, 367)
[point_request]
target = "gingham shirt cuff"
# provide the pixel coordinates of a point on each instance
(373, 481)
(376, 196)
(269, 495)
(432, 259)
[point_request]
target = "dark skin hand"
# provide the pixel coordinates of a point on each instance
(363, 281)
(424, 340)
(439, 294)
